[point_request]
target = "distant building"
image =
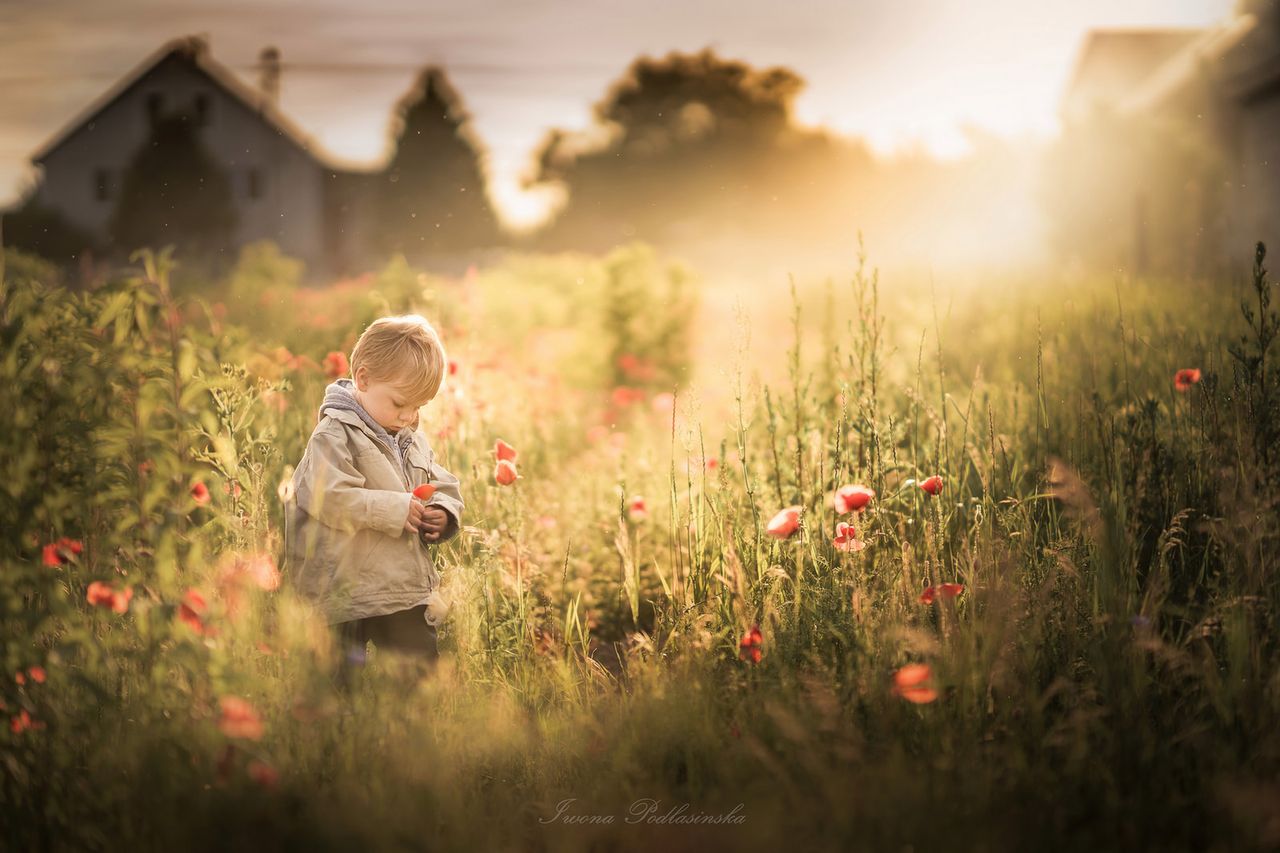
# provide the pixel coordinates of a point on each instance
(1222, 85)
(284, 188)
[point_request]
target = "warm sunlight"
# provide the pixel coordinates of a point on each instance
(689, 425)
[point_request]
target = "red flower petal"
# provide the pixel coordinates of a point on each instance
(785, 523)
(336, 365)
(1185, 378)
(932, 485)
(852, 498)
(239, 718)
(504, 473)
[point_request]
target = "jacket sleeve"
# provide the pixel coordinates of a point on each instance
(448, 497)
(328, 487)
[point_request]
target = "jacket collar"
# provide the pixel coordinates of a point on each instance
(340, 403)
(405, 436)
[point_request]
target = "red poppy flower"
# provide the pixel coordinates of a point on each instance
(19, 677)
(637, 509)
(424, 492)
(623, 396)
(192, 610)
(749, 645)
(37, 674)
(453, 367)
(239, 718)
(262, 773)
(336, 365)
(945, 590)
(911, 682)
(200, 492)
(712, 463)
(59, 553)
(100, 594)
(852, 498)
(504, 451)
(846, 538)
(22, 722)
(786, 522)
(932, 485)
(1185, 378)
(120, 599)
(505, 472)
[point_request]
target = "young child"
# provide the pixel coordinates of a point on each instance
(356, 537)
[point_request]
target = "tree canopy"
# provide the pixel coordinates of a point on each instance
(431, 195)
(694, 142)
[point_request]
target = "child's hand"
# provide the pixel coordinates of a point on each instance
(435, 520)
(417, 517)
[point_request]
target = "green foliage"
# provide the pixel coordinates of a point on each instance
(648, 310)
(1107, 676)
(263, 277)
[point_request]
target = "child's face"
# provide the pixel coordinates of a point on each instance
(386, 402)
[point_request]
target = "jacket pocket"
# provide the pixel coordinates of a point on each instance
(421, 463)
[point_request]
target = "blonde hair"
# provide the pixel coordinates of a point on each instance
(405, 351)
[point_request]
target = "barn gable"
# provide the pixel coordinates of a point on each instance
(192, 52)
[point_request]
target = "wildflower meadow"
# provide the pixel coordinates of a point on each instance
(868, 564)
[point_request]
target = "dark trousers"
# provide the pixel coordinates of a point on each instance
(404, 632)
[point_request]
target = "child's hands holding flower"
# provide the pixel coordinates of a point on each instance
(434, 522)
(429, 521)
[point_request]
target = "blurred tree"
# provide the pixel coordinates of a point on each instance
(694, 144)
(175, 192)
(431, 196)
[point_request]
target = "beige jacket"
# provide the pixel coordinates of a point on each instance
(345, 544)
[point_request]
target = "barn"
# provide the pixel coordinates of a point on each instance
(284, 188)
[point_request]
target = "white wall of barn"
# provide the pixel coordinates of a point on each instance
(259, 161)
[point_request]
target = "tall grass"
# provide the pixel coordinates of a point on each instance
(1107, 678)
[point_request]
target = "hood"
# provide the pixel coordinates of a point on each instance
(338, 397)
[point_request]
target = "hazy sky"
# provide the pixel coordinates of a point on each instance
(892, 71)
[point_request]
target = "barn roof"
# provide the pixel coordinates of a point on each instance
(194, 51)
(1114, 63)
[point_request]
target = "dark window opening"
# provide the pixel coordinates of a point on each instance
(101, 185)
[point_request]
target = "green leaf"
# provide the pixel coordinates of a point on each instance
(111, 310)
(186, 359)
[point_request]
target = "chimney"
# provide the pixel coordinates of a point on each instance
(269, 73)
